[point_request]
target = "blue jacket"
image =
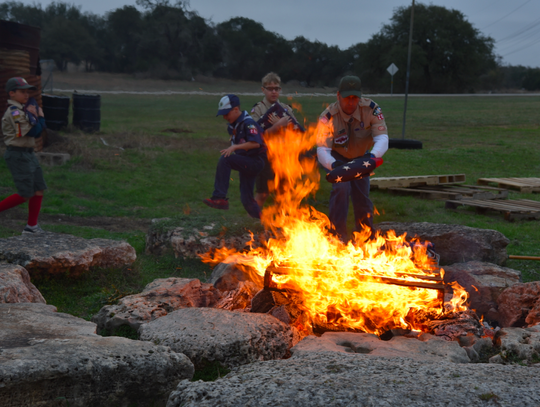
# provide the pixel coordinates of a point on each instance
(246, 129)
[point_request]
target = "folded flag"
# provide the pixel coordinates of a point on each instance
(355, 169)
(278, 110)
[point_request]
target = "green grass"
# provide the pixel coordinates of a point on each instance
(161, 174)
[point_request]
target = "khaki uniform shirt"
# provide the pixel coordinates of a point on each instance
(15, 126)
(351, 136)
(260, 109)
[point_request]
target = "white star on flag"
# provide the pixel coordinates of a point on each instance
(366, 164)
(347, 168)
(351, 162)
(338, 179)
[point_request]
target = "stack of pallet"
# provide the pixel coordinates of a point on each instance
(484, 196)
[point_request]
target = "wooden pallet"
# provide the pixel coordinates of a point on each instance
(511, 209)
(525, 185)
(444, 192)
(417, 181)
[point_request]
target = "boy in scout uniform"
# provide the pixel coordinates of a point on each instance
(271, 88)
(348, 129)
(245, 154)
(19, 137)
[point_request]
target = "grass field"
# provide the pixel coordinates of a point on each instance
(160, 162)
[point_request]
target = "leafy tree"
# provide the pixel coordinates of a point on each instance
(448, 53)
(249, 51)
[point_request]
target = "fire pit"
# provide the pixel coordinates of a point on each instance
(316, 283)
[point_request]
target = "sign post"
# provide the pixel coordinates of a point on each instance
(392, 69)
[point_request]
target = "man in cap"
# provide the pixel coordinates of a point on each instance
(19, 135)
(245, 155)
(349, 129)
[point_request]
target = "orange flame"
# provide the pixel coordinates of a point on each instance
(369, 285)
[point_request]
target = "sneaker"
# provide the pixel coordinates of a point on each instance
(217, 203)
(32, 231)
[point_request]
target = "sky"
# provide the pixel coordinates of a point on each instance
(514, 25)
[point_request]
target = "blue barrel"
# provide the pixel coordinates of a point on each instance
(87, 112)
(56, 111)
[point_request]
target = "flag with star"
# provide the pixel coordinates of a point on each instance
(355, 169)
(279, 111)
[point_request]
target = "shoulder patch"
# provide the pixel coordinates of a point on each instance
(372, 104)
(328, 115)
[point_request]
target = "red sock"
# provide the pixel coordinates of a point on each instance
(11, 201)
(34, 206)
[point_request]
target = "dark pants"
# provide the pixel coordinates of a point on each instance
(248, 168)
(358, 190)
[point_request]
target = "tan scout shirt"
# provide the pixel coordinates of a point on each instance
(260, 109)
(15, 126)
(351, 136)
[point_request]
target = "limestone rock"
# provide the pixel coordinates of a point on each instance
(230, 337)
(519, 344)
(158, 298)
(517, 302)
(432, 349)
(15, 285)
(191, 243)
(346, 380)
(46, 357)
(59, 253)
(483, 281)
(227, 276)
(455, 243)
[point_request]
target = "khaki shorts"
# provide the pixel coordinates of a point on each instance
(25, 170)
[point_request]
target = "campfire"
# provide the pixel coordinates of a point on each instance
(316, 283)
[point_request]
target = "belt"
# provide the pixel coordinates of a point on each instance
(27, 149)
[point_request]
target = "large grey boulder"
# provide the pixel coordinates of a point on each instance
(518, 344)
(158, 298)
(430, 349)
(484, 282)
(519, 305)
(346, 380)
(15, 285)
(47, 357)
(230, 337)
(228, 276)
(455, 243)
(53, 253)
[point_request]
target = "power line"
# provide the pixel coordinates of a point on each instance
(522, 48)
(489, 25)
(520, 32)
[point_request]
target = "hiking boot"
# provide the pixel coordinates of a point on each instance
(32, 231)
(217, 203)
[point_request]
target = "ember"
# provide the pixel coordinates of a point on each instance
(317, 282)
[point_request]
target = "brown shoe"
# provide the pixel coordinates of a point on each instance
(217, 203)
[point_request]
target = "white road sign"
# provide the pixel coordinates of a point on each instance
(392, 69)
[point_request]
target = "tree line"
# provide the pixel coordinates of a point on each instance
(167, 40)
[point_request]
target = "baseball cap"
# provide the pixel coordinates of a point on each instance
(18, 83)
(227, 103)
(350, 85)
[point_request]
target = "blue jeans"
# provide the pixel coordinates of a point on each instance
(248, 168)
(358, 190)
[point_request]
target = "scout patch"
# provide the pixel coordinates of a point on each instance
(252, 129)
(16, 114)
(377, 111)
(380, 117)
(341, 140)
(323, 120)
(362, 125)
(381, 128)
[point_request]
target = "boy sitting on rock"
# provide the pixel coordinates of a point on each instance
(246, 155)
(19, 137)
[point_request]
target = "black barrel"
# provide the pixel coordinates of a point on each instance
(56, 111)
(87, 112)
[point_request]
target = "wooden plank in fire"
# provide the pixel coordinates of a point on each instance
(415, 181)
(433, 282)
